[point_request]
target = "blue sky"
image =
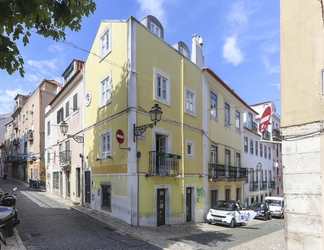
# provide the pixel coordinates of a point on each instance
(241, 44)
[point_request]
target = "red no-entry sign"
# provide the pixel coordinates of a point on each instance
(265, 118)
(120, 136)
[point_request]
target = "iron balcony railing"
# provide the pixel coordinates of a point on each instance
(271, 184)
(65, 158)
(276, 134)
(254, 186)
(266, 134)
(164, 164)
(224, 172)
(252, 126)
(263, 185)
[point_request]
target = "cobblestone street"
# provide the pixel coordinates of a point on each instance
(256, 235)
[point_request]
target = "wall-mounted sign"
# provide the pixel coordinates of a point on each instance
(120, 136)
(265, 118)
(87, 98)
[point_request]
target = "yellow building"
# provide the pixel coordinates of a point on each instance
(222, 140)
(144, 172)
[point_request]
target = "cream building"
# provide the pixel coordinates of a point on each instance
(64, 152)
(223, 125)
(302, 105)
(27, 159)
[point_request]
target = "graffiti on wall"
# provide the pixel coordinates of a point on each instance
(200, 193)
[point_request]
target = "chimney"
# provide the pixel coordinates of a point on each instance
(197, 51)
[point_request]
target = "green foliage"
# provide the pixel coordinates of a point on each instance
(48, 18)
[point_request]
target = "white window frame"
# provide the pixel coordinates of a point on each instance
(238, 121)
(106, 100)
(246, 144)
(183, 51)
(48, 128)
(190, 144)
(75, 107)
(158, 73)
(190, 103)
(155, 29)
(108, 152)
(213, 107)
(105, 38)
(227, 117)
(213, 154)
(67, 109)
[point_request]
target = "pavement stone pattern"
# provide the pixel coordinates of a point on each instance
(160, 236)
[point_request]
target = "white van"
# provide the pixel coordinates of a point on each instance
(277, 205)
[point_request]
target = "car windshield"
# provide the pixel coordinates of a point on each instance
(224, 205)
(274, 202)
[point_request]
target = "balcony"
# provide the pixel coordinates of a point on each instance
(254, 186)
(224, 172)
(65, 158)
(276, 134)
(271, 184)
(164, 164)
(30, 135)
(17, 106)
(15, 125)
(16, 141)
(263, 185)
(252, 126)
(266, 134)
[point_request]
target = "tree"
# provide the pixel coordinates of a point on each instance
(49, 18)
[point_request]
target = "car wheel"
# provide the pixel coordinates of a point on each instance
(282, 216)
(232, 224)
(265, 217)
(270, 216)
(209, 222)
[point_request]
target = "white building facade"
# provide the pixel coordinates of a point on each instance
(261, 153)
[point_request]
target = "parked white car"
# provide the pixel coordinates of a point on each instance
(226, 212)
(277, 206)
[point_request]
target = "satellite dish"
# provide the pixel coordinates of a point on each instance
(275, 164)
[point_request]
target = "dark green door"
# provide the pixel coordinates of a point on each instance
(188, 204)
(160, 207)
(68, 184)
(87, 184)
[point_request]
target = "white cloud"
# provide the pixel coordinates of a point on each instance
(7, 99)
(277, 85)
(152, 7)
(42, 67)
(238, 16)
(270, 48)
(56, 48)
(270, 68)
(231, 52)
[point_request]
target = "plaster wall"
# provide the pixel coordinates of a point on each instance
(303, 186)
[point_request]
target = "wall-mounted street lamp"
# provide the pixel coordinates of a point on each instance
(258, 168)
(64, 127)
(155, 114)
